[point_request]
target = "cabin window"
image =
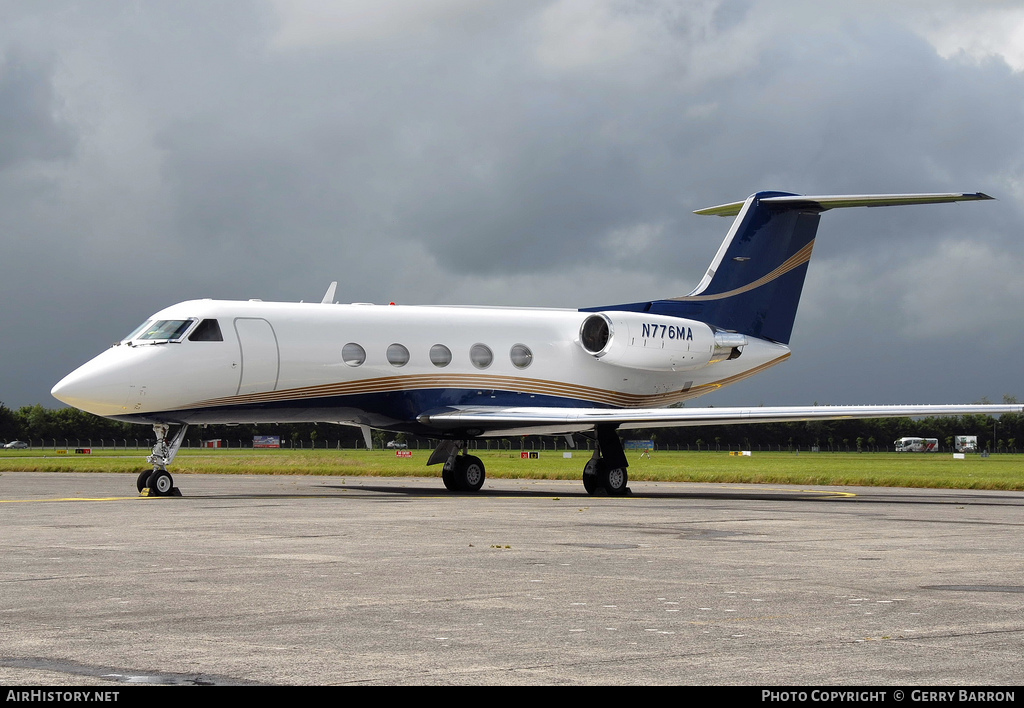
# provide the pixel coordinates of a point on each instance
(353, 354)
(521, 356)
(165, 331)
(481, 356)
(398, 355)
(206, 331)
(440, 355)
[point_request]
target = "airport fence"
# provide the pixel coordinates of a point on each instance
(530, 443)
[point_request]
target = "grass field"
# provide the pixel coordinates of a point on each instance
(869, 469)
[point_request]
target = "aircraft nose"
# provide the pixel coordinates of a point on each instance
(95, 388)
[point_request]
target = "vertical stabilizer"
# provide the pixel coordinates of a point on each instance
(754, 283)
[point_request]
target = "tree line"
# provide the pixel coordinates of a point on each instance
(70, 426)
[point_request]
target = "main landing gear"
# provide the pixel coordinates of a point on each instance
(158, 481)
(461, 472)
(606, 470)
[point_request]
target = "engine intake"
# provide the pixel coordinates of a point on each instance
(595, 333)
(656, 343)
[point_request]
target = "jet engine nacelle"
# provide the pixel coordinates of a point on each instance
(656, 343)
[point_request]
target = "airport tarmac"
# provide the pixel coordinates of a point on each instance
(362, 580)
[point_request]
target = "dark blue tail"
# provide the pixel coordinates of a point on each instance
(753, 285)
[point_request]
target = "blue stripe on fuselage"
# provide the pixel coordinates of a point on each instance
(397, 410)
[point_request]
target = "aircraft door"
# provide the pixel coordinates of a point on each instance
(261, 360)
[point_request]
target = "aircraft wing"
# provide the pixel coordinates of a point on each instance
(551, 421)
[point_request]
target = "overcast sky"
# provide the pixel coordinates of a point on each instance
(537, 152)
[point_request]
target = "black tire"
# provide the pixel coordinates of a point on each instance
(590, 476)
(143, 481)
(161, 483)
(448, 476)
(470, 473)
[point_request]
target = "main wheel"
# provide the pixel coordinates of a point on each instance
(615, 481)
(590, 478)
(161, 483)
(448, 476)
(469, 473)
(143, 481)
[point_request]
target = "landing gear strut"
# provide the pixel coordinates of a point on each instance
(461, 472)
(158, 482)
(606, 470)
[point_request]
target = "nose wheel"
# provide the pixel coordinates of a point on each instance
(161, 483)
(156, 483)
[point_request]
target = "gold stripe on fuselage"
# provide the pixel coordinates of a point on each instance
(413, 382)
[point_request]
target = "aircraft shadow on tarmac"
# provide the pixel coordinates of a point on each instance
(876, 495)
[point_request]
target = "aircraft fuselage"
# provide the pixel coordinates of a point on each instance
(384, 366)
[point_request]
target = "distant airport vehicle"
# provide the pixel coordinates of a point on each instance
(16, 445)
(395, 445)
(916, 445)
(459, 373)
(966, 443)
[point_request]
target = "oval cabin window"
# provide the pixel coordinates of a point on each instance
(398, 355)
(440, 355)
(481, 356)
(521, 356)
(353, 354)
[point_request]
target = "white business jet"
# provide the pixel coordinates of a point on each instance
(458, 373)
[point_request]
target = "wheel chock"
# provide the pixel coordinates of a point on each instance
(147, 492)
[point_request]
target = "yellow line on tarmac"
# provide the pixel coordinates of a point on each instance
(830, 492)
(66, 499)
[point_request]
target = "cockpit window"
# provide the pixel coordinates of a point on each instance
(206, 331)
(137, 331)
(165, 331)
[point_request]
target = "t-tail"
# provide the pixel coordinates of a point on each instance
(754, 283)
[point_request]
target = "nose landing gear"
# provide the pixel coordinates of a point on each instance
(158, 482)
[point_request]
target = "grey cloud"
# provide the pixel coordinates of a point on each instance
(30, 124)
(528, 158)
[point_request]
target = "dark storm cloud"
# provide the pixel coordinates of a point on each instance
(30, 124)
(541, 153)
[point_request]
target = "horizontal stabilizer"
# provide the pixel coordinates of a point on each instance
(845, 200)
